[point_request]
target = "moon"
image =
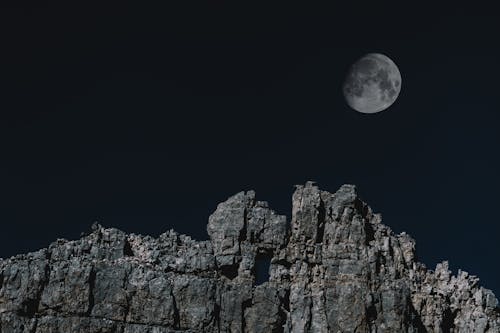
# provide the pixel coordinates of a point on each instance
(372, 84)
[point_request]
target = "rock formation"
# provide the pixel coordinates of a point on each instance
(333, 268)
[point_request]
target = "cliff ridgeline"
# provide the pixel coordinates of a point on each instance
(333, 268)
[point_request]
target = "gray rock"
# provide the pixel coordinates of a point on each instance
(336, 268)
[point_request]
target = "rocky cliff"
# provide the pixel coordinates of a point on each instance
(334, 268)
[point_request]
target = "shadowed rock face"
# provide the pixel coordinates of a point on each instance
(335, 269)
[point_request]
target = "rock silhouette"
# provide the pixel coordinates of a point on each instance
(334, 268)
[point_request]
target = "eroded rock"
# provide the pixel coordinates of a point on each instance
(337, 268)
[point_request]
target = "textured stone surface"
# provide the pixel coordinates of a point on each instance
(334, 268)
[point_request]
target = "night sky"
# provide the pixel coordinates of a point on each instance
(144, 118)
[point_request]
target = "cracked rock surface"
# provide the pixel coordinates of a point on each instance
(333, 268)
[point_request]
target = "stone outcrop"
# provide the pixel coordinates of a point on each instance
(333, 268)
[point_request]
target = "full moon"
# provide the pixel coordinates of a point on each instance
(372, 84)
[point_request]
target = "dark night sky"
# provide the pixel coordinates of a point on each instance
(144, 118)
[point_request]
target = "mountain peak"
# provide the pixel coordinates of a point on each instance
(334, 268)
